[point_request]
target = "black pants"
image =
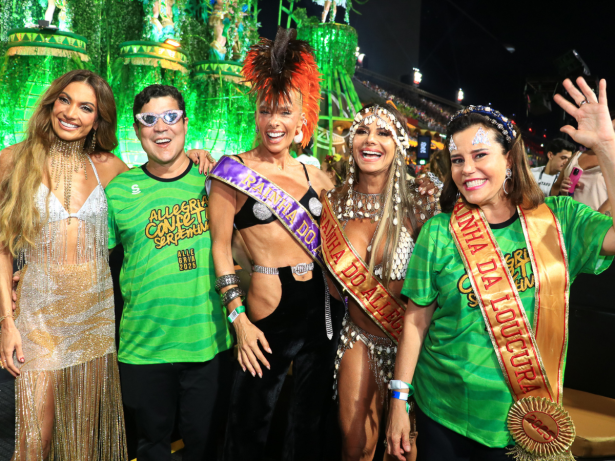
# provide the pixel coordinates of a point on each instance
(438, 443)
(296, 333)
(155, 392)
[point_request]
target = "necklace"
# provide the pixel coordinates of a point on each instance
(67, 158)
(361, 206)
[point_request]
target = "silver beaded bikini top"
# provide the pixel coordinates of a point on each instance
(405, 247)
(370, 206)
(93, 207)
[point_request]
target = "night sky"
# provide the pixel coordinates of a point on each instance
(455, 51)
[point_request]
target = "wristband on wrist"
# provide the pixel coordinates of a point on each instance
(397, 384)
(233, 315)
(400, 395)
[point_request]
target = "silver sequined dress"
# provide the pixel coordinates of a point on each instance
(65, 315)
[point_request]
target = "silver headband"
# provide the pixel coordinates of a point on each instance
(380, 115)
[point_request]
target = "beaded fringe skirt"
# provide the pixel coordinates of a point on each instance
(70, 379)
(86, 404)
(381, 354)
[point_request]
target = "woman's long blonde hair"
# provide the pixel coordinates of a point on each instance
(387, 233)
(19, 219)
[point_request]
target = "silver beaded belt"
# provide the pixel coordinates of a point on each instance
(299, 269)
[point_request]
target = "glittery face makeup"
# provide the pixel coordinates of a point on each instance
(481, 137)
(478, 170)
(452, 146)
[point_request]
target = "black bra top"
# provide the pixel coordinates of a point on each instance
(254, 212)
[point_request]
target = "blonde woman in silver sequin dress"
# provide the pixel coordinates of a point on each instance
(59, 342)
(381, 212)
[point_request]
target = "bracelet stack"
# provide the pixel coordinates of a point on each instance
(395, 385)
(231, 294)
(235, 292)
(226, 280)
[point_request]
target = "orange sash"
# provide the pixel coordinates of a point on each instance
(353, 274)
(531, 361)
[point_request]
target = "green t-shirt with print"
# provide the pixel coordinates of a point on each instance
(458, 380)
(172, 312)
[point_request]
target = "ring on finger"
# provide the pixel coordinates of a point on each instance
(585, 101)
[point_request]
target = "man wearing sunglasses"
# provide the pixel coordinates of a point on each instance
(174, 337)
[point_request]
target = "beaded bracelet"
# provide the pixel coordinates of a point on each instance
(231, 294)
(226, 280)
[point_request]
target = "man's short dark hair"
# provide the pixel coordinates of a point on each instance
(157, 91)
(558, 145)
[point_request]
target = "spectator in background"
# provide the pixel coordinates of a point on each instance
(439, 165)
(559, 152)
(306, 156)
(591, 188)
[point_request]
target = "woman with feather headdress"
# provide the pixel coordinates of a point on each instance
(276, 209)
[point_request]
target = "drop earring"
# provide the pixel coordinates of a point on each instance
(508, 176)
(93, 143)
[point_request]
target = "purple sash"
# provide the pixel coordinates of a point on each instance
(293, 216)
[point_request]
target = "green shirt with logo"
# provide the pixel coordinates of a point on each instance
(172, 312)
(458, 380)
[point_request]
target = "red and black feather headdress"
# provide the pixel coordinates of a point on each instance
(276, 68)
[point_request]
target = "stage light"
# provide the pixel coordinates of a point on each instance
(418, 77)
(172, 42)
(460, 95)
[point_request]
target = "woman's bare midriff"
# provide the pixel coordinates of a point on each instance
(271, 246)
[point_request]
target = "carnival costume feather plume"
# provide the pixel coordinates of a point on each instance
(276, 68)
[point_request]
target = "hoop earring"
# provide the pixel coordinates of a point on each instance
(508, 176)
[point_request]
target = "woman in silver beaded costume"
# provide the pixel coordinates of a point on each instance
(381, 211)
